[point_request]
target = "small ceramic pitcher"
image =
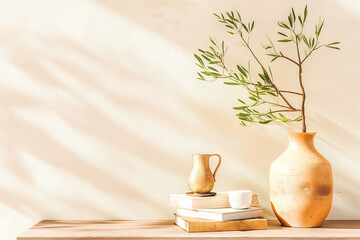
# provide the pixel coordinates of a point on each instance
(201, 179)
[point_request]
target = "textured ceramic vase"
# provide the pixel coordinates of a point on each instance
(301, 183)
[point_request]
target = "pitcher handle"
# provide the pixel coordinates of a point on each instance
(256, 200)
(217, 165)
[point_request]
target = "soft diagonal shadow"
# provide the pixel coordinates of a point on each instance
(58, 155)
(106, 102)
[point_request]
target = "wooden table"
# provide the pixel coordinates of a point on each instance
(116, 229)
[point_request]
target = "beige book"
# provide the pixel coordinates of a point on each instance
(202, 225)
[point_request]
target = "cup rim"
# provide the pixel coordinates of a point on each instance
(235, 191)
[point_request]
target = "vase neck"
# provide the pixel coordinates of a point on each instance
(301, 140)
(201, 160)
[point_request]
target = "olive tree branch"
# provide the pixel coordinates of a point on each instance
(279, 105)
(302, 87)
(276, 111)
(315, 48)
(264, 70)
(286, 110)
(213, 65)
(277, 54)
(285, 91)
(283, 56)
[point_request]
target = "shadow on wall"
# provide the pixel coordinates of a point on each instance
(100, 127)
(31, 129)
(25, 134)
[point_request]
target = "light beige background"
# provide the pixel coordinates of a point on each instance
(100, 110)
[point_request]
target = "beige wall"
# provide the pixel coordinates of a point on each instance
(100, 110)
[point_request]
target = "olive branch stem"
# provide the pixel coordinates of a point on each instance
(285, 91)
(283, 56)
(264, 70)
(302, 88)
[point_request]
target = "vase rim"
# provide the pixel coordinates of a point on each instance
(302, 133)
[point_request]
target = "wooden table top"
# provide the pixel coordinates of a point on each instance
(117, 229)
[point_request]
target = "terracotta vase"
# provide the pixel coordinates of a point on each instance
(301, 183)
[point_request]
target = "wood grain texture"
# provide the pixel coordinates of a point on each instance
(203, 225)
(106, 230)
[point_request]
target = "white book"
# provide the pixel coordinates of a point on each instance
(220, 200)
(221, 214)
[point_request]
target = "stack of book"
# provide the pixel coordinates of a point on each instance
(209, 214)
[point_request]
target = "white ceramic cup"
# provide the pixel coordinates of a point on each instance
(241, 199)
